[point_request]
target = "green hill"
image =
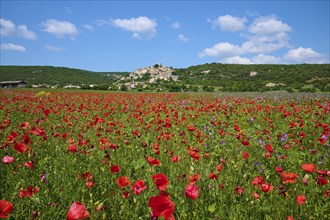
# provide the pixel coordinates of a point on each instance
(206, 77)
(57, 75)
(229, 77)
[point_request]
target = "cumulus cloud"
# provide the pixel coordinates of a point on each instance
(266, 59)
(60, 29)
(268, 25)
(237, 60)
(223, 49)
(53, 48)
(182, 38)
(305, 55)
(176, 25)
(264, 35)
(140, 26)
(8, 28)
(229, 23)
(13, 47)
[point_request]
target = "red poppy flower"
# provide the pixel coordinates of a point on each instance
(321, 180)
(175, 158)
(138, 187)
(194, 155)
(219, 167)
(192, 191)
(213, 176)
(6, 207)
(194, 178)
(289, 217)
(87, 176)
(153, 161)
(29, 164)
(308, 167)
(20, 148)
(191, 128)
(245, 155)
(161, 206)
(266, 187)
(269, 148)
(115, 169)
(288, 177)
(46, 111)
(8, 159)
(123, 181)
(278, 169)
(161, 181)
(255, 195)
(258, 180)
(245, 143)
(90, 184)
(73, 148)
(301, 199)
(125, 195)
(239, 190)
(77, 211)
(29, 192)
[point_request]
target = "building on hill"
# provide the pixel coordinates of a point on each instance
(12, 84)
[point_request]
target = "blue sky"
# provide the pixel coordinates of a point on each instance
(126, 35)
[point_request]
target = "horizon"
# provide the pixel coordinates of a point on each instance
(122, 36)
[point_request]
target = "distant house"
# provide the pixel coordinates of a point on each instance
(12, 84)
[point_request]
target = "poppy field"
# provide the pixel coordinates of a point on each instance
(79, 155)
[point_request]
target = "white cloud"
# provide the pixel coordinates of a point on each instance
(237, 60)
(182, 38)
(268, 26)
(139, 26)
(60, 29)
(88, 27)
(53, 48)
(264, 35)
(223, 49)
(229, 23)
(265, 59)
(305, 55)
(13, 47)
(176, 25)
(8, 28)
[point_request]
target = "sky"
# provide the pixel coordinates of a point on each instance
(110, 36)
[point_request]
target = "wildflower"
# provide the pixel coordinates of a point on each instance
(288, 177)
(8, 159)
(239, 190)
(213, 176)
(161, 206)
(194, 178)
(123, 181)
(20, 148)
(153, 161)
(191, 191)
(115, 169)
(77, 211)
(309, 168)
(138, 187)
(301, 199)
(6, 207)
(161, 181)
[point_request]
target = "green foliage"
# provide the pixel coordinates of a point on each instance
(207, 77)
(51, 75)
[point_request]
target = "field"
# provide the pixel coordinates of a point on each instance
(105, 155)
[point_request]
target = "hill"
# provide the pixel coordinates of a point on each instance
(229, 77)
(205, 77)
(61, 76)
